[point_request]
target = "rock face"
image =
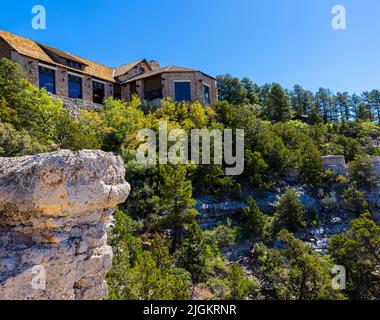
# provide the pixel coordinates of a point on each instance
(337, 164)
(54, 210)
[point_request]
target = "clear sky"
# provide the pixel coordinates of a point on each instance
(285, 41)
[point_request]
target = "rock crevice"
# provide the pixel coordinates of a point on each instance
(54, 211)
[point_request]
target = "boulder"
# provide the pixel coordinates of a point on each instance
(54, 211)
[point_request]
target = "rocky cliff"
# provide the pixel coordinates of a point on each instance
(54, 210)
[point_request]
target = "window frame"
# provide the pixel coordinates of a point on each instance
(205, 85)
(190, 88)
(104, 90)
(79, 76)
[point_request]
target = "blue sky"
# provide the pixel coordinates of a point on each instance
(285, 41)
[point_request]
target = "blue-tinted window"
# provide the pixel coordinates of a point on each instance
(206, 95)
(73, 64)
(182, 91)
(47, 79)
(75, 87)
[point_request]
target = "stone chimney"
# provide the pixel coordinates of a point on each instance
(155, 65)
(54, 212)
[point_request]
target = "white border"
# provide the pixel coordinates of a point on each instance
(99, 81)
(183, 81)
(47, 66)
(75, 74)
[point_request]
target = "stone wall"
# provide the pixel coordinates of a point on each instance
(29, 65)
(54, 211)
(197, 79)
(75, 106)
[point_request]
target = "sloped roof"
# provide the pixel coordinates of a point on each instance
(118, 71)
(40, 52)
(59, 53)
(168, 69)
(32, 49)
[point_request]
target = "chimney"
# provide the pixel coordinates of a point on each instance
(155, 65)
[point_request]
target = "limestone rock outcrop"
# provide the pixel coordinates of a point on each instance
(337, 164)
(54, 211)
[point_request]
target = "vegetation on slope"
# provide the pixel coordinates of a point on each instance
(160, 250)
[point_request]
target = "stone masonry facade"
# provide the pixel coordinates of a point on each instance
(147, 80)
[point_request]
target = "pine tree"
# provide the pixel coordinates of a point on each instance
(358, 250)
(342, 100)
(290, 213)
(301, 100)
(193, 253)
(254, 221)
(239, 286)
(295, 272)
(176, 201)
(278, 104)
(323, 101)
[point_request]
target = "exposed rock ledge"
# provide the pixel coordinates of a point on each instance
(54, 210)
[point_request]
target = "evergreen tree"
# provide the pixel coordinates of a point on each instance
(354, 103)
(367, 99)
(252, 91)
(363, 172)
(374, 97)
(254, 221)
(342, 99)
(354, 200)
(194, 253)
(238, 284)
(278, 104)
(311, 163)
(176, 201)
(323, 102)
(231, 89)
(358, 250)
(295, 272)
(301, 100)
(290, 213)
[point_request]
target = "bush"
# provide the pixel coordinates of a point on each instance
(354, 200)
(290, 213)
(363, 172)
(15, 143)
(221, 236)
(254, 221)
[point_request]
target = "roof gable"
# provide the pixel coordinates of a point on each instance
(121, 70)
(34, 50)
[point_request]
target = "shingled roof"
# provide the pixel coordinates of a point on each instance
(118, 71)
(34, 50)
(44, 54)
(168, 69)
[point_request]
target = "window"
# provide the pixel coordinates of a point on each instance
(182, 90)
(206, 94)
(153, 95)
(73, 64)
(117, 91)
(75, 87)
(98, 92)
(47, 79)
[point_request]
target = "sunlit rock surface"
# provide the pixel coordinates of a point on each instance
(54, 210)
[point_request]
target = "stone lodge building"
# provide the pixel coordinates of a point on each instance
(85, 83)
